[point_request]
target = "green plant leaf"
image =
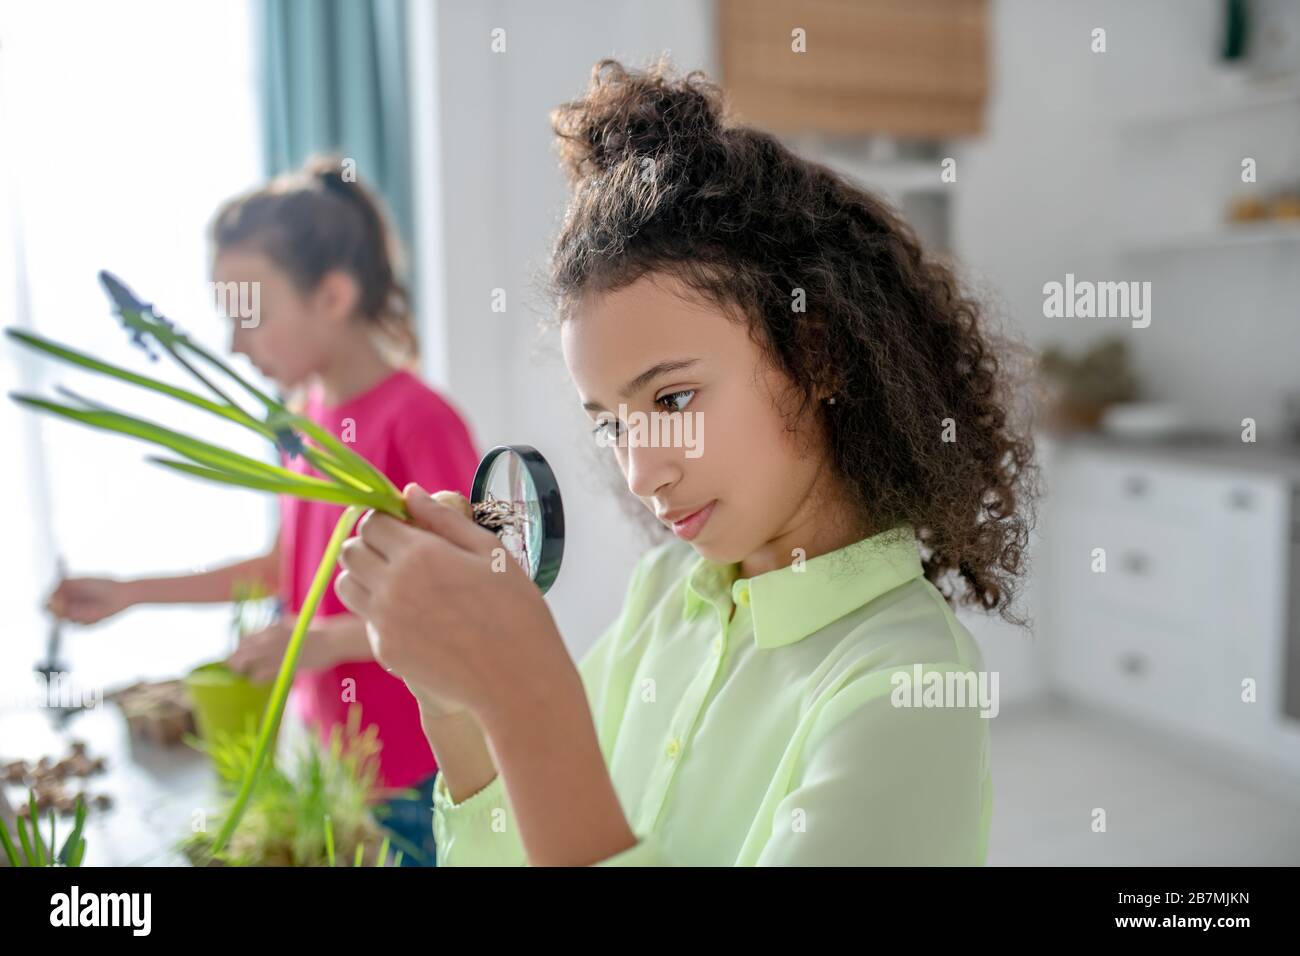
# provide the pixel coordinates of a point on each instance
(8, 843)
(205, 453)
(35, 820)
(323, 492)
(28, 855)
(269, 403)
(333, 457)
(323, 459)
(73, 357)
(74, 841)
(322, 462)
(346, 457)
(329, 840)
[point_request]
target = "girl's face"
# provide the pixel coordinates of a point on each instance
(655, 348)
(292, 335)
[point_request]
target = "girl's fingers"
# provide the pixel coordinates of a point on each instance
(362, 561)
(384, 533)
(354, 595)
(448, 523)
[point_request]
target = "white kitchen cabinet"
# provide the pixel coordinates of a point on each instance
(1195, 598)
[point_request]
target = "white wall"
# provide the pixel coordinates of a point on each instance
(1087, 153)
(501, 198)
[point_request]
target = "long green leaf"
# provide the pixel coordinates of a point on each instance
(195, 449)
(346, 456)
(73, 357)
(270, 403)
(8, 844)
(331, 494)
(35, 820)
(74, 838)
(283, 680)
(332, 458)
(28, 855)
(322, 462)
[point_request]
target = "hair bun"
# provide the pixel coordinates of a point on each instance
(635, 114)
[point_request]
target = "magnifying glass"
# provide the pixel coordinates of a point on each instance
(515, 494)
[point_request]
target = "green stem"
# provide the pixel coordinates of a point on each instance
(280, 692)
(267, 401)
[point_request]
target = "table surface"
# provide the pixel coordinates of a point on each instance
(156, 790)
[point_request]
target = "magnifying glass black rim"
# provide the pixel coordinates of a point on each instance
(548, 497)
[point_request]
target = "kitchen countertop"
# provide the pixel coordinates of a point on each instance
(1280, 459)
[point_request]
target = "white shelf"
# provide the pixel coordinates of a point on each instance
(1257, 95)
(1226, 237)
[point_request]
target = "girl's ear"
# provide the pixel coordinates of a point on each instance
(336, 296)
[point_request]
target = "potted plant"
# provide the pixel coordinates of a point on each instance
(310, 814)
(160, 712)
(224, 701)
(1085, 386)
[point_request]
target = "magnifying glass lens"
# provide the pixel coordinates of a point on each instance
(508, 482)
(519, 491)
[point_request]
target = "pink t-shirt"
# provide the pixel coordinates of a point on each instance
(410, 433)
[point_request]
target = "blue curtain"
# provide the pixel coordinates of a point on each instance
(334, 79)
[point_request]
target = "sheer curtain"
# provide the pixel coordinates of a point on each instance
(124, 126)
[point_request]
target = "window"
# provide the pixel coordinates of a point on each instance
(126, 125)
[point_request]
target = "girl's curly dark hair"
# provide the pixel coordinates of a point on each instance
(920, 428)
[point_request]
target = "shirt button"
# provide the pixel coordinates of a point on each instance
(674, 747)
(743, 597)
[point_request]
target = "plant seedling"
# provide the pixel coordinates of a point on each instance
(33, 850)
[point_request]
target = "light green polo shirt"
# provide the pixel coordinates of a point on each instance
(777, 736)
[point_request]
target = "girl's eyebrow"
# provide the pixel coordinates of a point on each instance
(653, 372)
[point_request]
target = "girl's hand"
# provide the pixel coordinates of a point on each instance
(260, 654)
(452, 613)
(88, 600)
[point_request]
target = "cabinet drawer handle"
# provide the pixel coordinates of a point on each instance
(1135, 665)
(1135, 486)
(1134, 562)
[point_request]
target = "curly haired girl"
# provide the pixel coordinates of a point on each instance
(787, 682)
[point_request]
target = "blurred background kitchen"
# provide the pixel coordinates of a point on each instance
(1163, 149)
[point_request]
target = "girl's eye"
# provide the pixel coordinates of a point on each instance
(675, 400)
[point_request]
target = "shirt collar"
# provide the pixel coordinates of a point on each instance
(790, 603)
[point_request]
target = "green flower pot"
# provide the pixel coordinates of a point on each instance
(225, 702)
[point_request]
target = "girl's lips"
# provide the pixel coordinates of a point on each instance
(688, 527)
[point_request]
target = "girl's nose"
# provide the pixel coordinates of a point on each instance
(650, 470)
